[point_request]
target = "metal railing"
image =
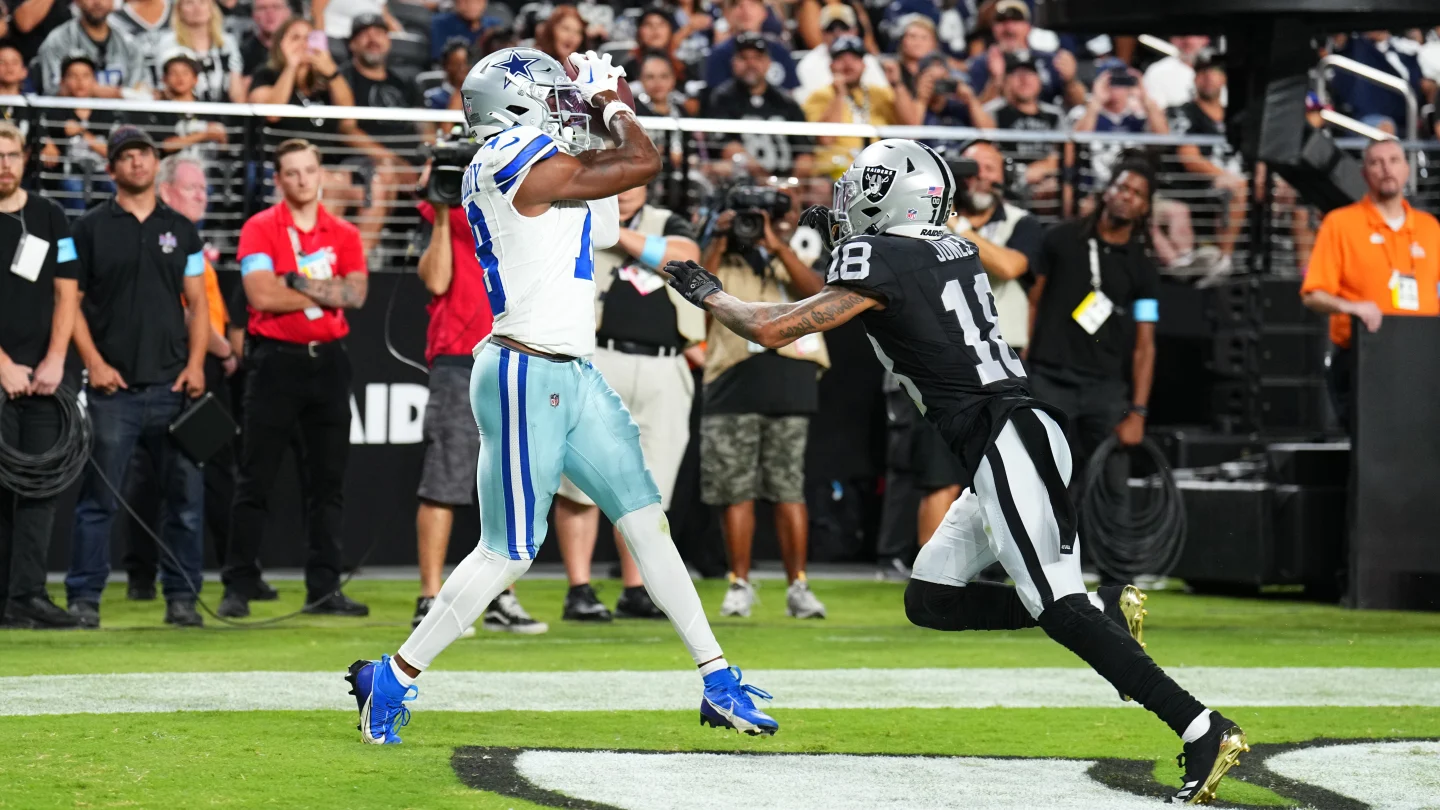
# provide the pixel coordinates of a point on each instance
(1200, 225)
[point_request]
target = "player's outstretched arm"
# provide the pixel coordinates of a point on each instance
(597, 173)
(770, 325)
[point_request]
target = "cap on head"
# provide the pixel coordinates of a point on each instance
(848, 44)
(1006, 10)
(837, 14)
(364, 22)
(125, 138)
(1014, 62)
(751, 41)
(1210, 60)
(658, 11)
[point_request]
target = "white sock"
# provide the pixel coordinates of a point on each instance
(476, 581)
(1095, 600)
(713, 666)
(647, 534)
(1197, 728)
(404, 679)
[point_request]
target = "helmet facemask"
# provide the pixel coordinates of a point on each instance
(567, 116)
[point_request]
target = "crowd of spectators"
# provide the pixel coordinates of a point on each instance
(971, 63)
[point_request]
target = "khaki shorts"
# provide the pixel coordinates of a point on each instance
(657, 391)
(452, 441)
(745, 456)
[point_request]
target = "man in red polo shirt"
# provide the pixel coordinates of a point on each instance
(301, 268)
(459, 318)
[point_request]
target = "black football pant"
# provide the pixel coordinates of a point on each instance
(30, 425)
(1020, 513)
(289, 390)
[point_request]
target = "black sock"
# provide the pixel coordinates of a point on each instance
(976, 606)
(1110, 651)
(633, 590)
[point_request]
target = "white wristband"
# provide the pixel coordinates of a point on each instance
(612, 109)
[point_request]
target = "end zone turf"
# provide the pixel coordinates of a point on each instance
(312, 758)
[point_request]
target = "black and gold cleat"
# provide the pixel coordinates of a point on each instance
(1208, 759)
(1125, 605)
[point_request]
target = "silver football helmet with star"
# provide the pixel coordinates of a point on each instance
(895, 186)
(523, 86)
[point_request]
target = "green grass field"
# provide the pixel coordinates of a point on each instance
(312, 758)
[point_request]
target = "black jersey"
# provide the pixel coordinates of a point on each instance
(938, 333)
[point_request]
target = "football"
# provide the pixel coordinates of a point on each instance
(623, 89)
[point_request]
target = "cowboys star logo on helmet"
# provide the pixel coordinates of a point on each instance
(518, 65)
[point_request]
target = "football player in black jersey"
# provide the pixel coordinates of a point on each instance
(926, 303)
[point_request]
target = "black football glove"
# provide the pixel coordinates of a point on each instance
(822, 221)
(693, 282)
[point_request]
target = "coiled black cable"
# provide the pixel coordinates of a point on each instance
(42, 475)
(49, 473)
(1125, 541)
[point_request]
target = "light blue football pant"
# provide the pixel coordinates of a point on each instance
(540, 419)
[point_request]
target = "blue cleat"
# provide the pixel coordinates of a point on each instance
(727, 704)
(381, 700)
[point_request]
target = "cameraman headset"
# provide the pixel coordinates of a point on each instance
(757, 402)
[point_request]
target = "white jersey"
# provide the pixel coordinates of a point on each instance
(539, 271)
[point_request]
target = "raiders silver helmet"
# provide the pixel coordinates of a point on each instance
(528, 87)
(895, 186)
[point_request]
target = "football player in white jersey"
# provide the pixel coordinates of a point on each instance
(540, 202)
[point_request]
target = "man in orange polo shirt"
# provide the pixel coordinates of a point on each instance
(301, 268)
(1373, 258)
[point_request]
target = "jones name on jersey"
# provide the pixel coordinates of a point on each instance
(539, 271)
(938, 332)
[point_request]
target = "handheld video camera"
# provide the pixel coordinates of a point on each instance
(750, 204)
(448, 158)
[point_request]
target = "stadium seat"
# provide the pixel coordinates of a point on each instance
(618, 50)
(425, 80)
(501, 12)
(410, 49)
(413, 17)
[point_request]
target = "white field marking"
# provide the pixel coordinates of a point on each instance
(1384, 775)
(665, 690)
(825, 782)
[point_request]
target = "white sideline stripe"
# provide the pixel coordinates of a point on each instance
(665, 690)
(653, 691)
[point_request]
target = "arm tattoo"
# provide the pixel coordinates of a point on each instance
(345, 292)
(788, 322)
(819, 312)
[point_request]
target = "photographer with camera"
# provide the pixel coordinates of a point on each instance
(460, 317)
(757, 401)
(644, 333)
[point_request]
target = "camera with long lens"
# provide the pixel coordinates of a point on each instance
(448, 158)
(750, 204)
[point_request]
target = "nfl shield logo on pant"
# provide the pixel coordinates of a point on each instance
(554, 400)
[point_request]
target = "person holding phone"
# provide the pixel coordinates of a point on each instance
(1118, 103)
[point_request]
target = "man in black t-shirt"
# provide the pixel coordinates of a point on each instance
(1218, 167)
(38, 301)
(750, 97)
(381, 142)
(644, 334)
(757, 408)
(268, 15)
(1096, 307)
(1020, 108)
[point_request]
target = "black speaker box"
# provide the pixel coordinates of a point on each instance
(1270, 352)
(1272, 402)
(1310, 464)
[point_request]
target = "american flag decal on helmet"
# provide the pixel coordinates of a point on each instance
(937, 191)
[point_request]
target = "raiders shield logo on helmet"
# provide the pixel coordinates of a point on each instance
(875, 182)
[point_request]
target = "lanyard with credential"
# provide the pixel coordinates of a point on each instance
(24, 237)
(1095, 265)
(295, 245)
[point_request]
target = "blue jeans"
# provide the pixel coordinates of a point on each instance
(122, 420)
